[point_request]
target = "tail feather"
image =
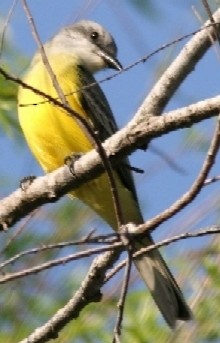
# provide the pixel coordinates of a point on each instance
(161, 284)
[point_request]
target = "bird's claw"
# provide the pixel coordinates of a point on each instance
(71, 159)
(26, 182)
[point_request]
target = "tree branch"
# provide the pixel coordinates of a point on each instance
(53, 186)
(179, 69)
(213, 230)
(89, 291)
(190, 195)
(58, 262)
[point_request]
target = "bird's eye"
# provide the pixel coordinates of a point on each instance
(94, 35)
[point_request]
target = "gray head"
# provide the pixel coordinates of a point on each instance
(93, 46)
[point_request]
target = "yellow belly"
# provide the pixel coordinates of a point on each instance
(53, 135)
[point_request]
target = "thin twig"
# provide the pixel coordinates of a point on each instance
(176, 73)
(104, 239)
(43, 54)
(56, 101)
(130, 66)
(72, 257)
(58, 262)
(121, 302)
(201, 21)
(204, 232)
(150, 55)
(212, 180)
(88, 292)
(212, 20)
(18, 231)
(7, 20)
(195, 189)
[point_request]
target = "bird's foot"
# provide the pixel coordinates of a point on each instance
(26, 182)
(70, 161)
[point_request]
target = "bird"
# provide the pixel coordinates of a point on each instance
(75, 54)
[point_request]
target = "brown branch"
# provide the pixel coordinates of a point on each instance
(18, 231)
(43, 54)
(88, 292)
(195, 189)
(178, 70)
(121, 302)
(58, 262)
(213, 230)
(102, 239)
(51, 187)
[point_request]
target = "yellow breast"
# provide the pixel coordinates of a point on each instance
(52, 134)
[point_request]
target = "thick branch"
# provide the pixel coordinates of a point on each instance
(53, 186)
(179, 69)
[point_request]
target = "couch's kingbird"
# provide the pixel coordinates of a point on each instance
(74, 54)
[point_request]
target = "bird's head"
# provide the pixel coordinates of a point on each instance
(93, 46)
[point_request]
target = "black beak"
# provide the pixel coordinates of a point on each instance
(111, 62)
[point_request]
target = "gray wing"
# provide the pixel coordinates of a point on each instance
(96, 105)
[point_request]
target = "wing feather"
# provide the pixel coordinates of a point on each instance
(96, 106)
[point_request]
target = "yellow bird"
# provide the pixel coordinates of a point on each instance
(74, 54)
